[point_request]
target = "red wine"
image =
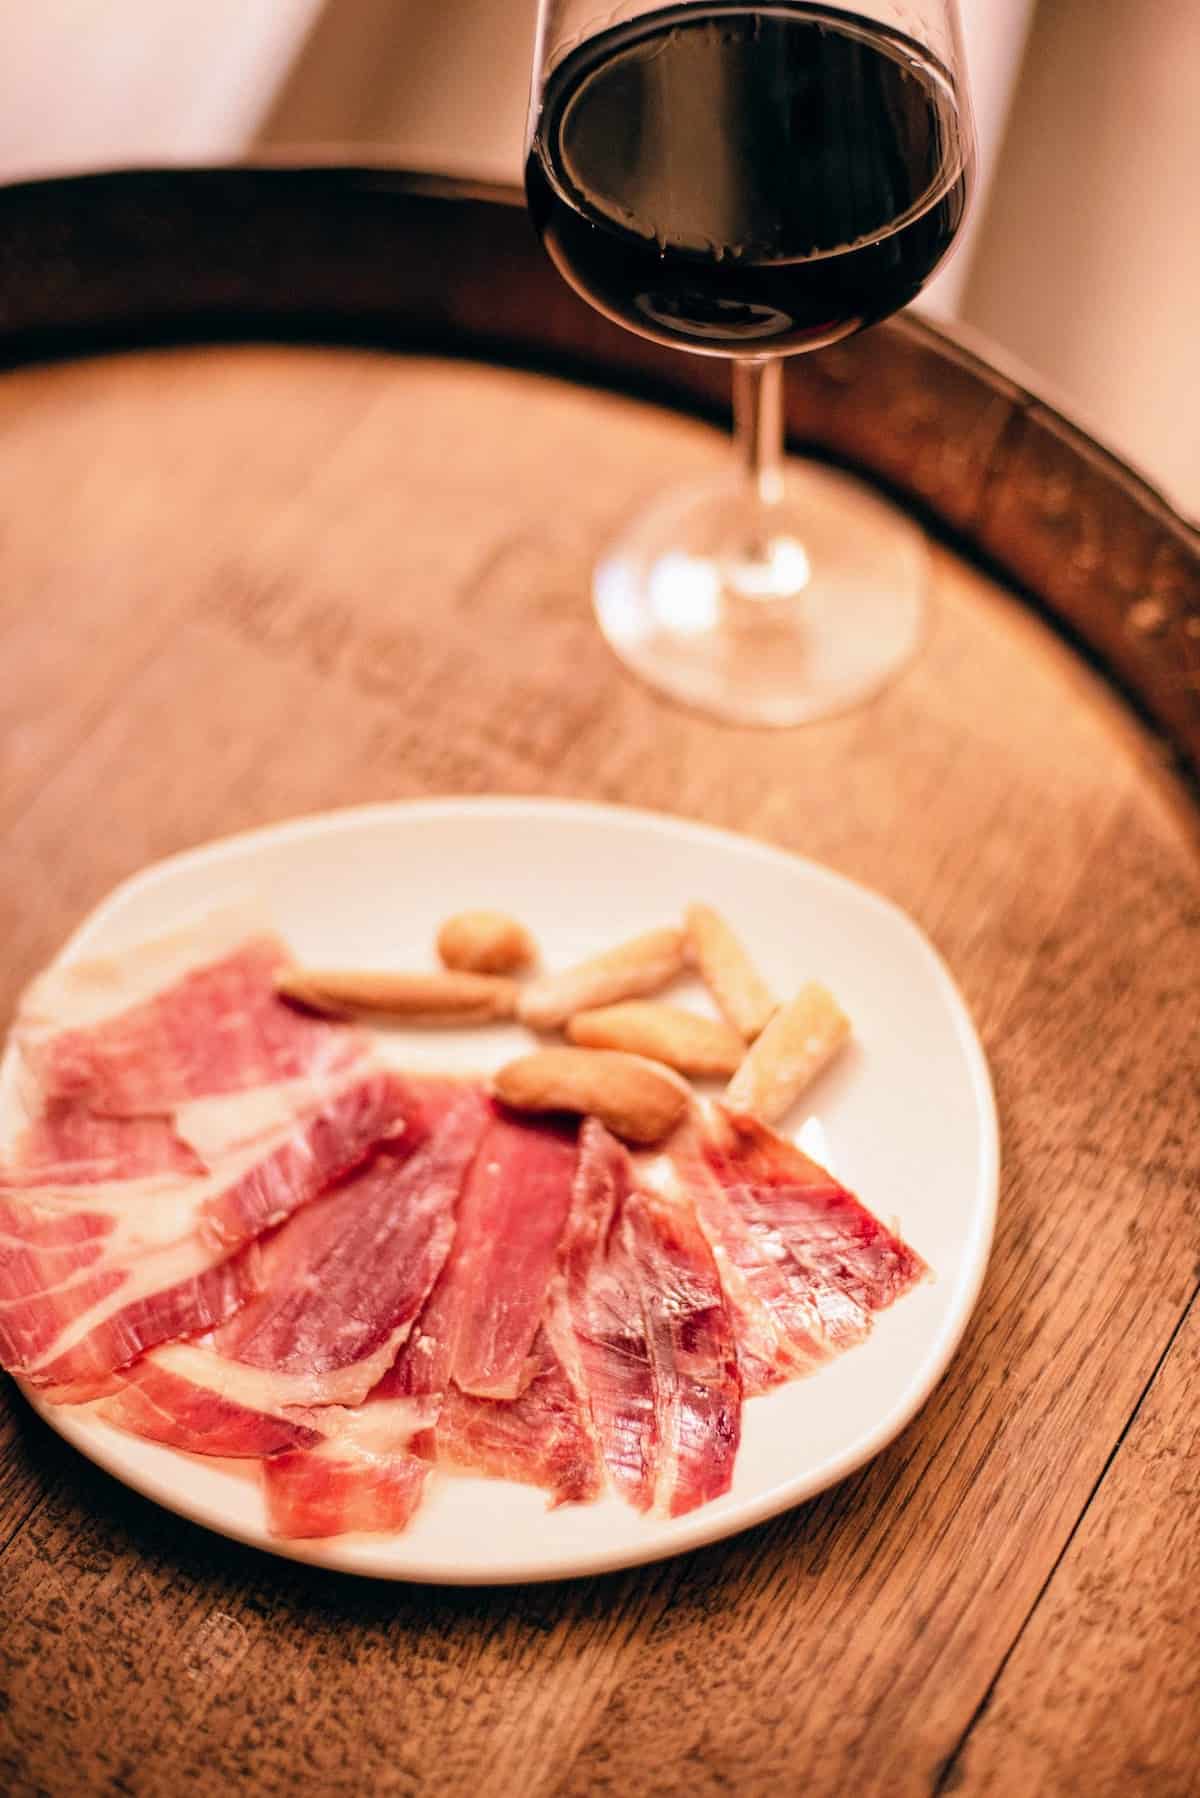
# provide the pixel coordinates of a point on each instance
(748, 181)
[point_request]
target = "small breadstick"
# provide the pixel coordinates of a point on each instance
(485, 942)
(730, 976)
(412, 998)
(638, 1100)
(796, 1044)
(683, 1039)
(642, 965)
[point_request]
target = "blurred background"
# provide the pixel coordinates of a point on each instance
(1080, 270)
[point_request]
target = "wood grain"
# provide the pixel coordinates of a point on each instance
(1102, 1691)
(417, 260)
(238, 584)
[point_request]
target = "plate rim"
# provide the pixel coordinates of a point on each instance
(343, 1554)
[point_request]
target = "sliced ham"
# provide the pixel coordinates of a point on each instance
(643, 1329)
(361, 1475)
(68, 1145)
(342, 1487)
(489, 1307)
(693, 1355)
(92, 1277)
(167, 1111)
(183, 1396)
(482, 1323)
(542, 1438)
(804, 1265)
(184, 1017)
(344, 1280)
(340, 1286)
(597, 1321)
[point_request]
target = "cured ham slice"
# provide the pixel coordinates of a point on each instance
(344, 1280)
(693, 1355)
(363, 1473)
(340, 1487)
(182, 1396)
(597, 1322)
(482, 1323)
(70, 1146)
(70, 1316)
(803, 1264)
(340, 1286)
(480, 1326)
(92, 1277)
(169, 1110)
(541, 1438)
(513, 1210)
(185, 1017)
(643, 1327)
(146, 1064)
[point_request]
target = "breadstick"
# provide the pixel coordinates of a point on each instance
(728, 972)
(797, 1043)
(414, 998)
(642, 965)
(683, 1039)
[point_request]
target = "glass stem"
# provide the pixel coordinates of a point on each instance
(758, 427)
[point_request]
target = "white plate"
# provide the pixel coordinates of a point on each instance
(906, 1119)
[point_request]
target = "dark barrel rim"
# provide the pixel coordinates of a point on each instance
(311, 248)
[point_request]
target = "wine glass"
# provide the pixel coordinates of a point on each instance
(753, 181)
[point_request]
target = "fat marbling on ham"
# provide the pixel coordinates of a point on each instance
(188, 1016)
(634, 1372)
(803, 1263)
(320, 1333)
(122, 1228)
(477, 1386)
(642, 1322)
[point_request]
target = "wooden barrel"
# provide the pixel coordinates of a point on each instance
(302, 476)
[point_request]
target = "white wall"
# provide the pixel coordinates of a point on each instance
(88, 84)
(1088, 269)
(994, 34)
(443, 87)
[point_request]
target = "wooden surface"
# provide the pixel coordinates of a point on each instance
(239, 584)
(380, 255)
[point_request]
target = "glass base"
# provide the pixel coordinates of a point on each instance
(769, 615)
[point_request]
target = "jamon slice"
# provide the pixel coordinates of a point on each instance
(70, 1316)
(341, 1283)
(362, 1473)
(482, 1321)
(803, 1264)
(92, 1277)
(189, 1397)
(480, 1325)
(697, 1383)
(597, 1320)
(643, 1328)
(70, 1146)
(181, 1396)
(185, 1017)
(344, 1280)
(541, 1438)
(343, 1485)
